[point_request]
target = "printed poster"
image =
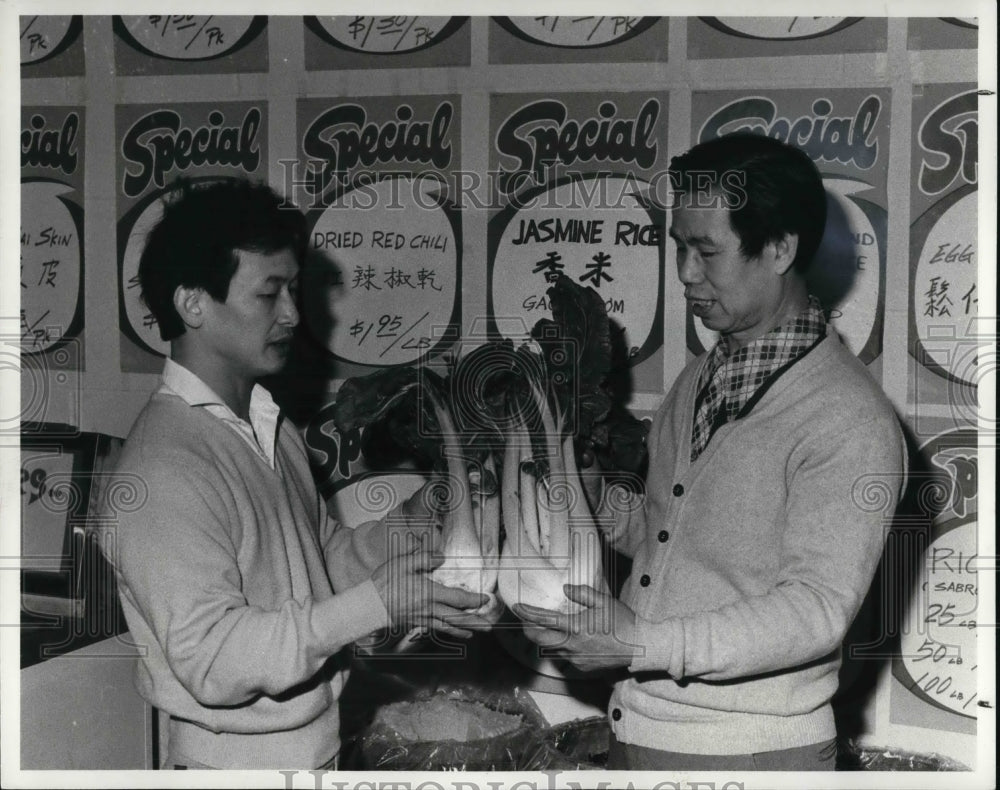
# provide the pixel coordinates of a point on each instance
(934, 678)
(945, 341)
(846, 133)
(51, 265)
(51, 46)
(157, 144)
(179, 44)
(580, 184)
(386, 42)
(749, 37)
(578, 39)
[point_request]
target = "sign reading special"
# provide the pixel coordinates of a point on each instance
(179, 44)
(578, 39)
(158, 144)
(846, 133)
(51, 266)
(935, 670)
(386, 42)
(51, 46)
(577, 177)
(748, 37)
(383, 281)
(944, 287)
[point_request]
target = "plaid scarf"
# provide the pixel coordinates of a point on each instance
(729, 382)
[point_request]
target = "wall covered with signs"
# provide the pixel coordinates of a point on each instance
(450, 166)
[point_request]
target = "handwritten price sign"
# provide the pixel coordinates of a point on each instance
(577, 31)
(384, 34)
(187, 37)
(598, 232)
(50, 265)
(387, 276)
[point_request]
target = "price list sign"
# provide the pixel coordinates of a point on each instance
(578, 39)
(935, 671)
(156, 145)
(846, 133)
(578, 176)
(383, 279)
(944, 283)
(51, 265)
(189, 44)
(339, 42)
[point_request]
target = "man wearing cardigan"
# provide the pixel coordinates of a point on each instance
(242, 593)
(754, 546)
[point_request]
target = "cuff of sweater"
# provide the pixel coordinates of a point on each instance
(352, 614)
(662, 646)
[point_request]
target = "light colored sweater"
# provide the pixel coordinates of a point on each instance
(240, 591)
(772, 539)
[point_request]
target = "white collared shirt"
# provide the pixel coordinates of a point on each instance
(260, 433)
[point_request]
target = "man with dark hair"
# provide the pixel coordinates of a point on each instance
(755, 544)
(235, 582)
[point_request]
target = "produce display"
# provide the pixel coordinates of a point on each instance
(500, 431)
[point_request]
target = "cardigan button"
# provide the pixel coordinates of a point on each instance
(616, 714)
(678, 490)
(645, 580)
(663, 536)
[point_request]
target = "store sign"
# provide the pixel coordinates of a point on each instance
(943, 240)
(383, 279)
(51, 260)
(938, 655)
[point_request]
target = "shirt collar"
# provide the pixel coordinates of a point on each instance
(742, 372)
(264, 412)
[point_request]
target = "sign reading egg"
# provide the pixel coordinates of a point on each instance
(598, 231)
(384, 272)
(945, 284)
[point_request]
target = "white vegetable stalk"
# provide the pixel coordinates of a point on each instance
(470, 530)
(551, 536)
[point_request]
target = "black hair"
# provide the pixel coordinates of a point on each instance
(194, 243)
(772, 188)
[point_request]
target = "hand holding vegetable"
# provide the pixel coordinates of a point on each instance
(600, 636)
(413, 600)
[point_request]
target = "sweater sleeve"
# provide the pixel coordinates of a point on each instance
(352, 555)
(840, 502)
(177, 563)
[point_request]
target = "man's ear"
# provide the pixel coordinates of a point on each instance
(785, 249)
(189, 303)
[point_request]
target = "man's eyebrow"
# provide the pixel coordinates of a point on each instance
(706, 240)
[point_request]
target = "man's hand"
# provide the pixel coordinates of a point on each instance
(414, 601)
(600, 637)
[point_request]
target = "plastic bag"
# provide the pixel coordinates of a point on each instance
(489, 731)
(852, 757)
(580, 745)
